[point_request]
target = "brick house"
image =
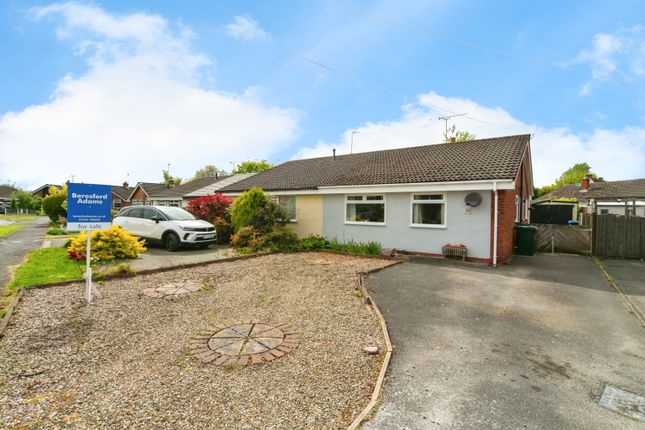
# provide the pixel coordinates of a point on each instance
(415, 199)
(43, 190)
(5, 195)
(121, 195)
(156, 194)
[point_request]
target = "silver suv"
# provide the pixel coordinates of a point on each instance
(171, 226)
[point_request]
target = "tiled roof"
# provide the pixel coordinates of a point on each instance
(482, 159)
(6, 190)
(224, 181)
(156, 190)
(122, 192)
(634, 188)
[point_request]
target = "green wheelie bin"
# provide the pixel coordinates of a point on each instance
(525, 239)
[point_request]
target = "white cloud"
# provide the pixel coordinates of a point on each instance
(138, 107)
(613, 154)
(621, 55)
(246, 28)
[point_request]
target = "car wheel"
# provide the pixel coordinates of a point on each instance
(171, 241)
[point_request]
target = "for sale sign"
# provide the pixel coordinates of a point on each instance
(89, 207)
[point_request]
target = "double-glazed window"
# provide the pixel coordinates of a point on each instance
(288, 203)
(428, 210)
(367, 209)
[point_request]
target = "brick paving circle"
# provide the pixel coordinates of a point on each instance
(172, 291)
(245, 342)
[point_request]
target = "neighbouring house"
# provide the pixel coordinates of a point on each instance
(121, 195)
(43, 191)
(214, 187)
(415, 199)
(155, 194)
(5, 195)
(575, 201)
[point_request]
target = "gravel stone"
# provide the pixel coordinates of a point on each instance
(125, 362)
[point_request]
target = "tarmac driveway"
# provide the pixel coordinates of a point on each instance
(528, 345)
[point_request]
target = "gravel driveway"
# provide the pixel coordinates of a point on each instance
(125, 362)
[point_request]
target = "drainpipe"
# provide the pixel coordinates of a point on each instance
(495, 224)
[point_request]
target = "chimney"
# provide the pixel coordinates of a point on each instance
(334, 152)
(125, 185)
(453, 139)
(584, 185)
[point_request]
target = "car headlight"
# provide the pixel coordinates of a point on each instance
(187, 228)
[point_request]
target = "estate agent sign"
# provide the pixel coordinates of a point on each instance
(88, 208)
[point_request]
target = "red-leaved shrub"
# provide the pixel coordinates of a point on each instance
(210, 207)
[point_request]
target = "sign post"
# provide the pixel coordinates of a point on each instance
(88, 209)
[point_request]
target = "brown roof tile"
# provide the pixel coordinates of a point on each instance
(495, 158)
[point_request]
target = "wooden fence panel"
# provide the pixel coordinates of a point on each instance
(569, 239)
(619, 236)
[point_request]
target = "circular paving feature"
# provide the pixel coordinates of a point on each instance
(172, 291)
(245, 342)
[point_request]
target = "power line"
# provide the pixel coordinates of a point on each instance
(453, 40)
(382, 88)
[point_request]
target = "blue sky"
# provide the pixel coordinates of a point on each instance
(105, 89)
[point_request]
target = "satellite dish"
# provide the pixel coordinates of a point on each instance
(473, 200)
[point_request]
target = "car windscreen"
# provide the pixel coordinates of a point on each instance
(176, 214)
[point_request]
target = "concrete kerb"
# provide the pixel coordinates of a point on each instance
(376, 393)
(7, 317)
(628, 303)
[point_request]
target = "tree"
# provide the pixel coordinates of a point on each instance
(55, 204)
(249, 166)
(23, 199)
(573, 175)
(167, 179)
(208, 171)
(459, 136)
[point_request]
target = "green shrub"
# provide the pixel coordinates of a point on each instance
(256, 209)
(313, 242)
(106, 245)
(53, 206)
(55, 231)
(282, 239)
(356, 248)
(223, 229)
(244, 237)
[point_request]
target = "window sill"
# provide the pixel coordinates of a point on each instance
(436, 226)
(381, 224)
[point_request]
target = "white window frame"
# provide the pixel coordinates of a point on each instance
(365, 201)
(442, 202)
(517, 208)
(277, 200)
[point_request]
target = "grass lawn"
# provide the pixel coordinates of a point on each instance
(6, 230)
(45, 265)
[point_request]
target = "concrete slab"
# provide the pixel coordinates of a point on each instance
(156, 258)
(630, 277)
(528, 345)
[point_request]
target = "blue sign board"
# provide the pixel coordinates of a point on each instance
(89, 207)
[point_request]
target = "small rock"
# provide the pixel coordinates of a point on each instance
(372, 350)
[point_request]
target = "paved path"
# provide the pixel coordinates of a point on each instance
(14, 247)
(529, 345)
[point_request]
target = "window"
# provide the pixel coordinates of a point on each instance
(288, 203)
(604, 211)
(365, 209)
(137, 202)
(517, 208)
(428, 210)
(116, 203)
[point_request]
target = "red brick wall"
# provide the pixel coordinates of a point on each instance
(139, 195)
(506, 216)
